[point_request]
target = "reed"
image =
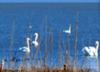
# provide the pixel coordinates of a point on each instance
(59, 49)
(75, 43)
(11, 62)
(49, 49)
(50, 70)
(46, 45)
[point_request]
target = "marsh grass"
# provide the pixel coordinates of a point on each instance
(70, 69)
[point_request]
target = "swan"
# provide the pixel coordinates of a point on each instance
(68, 31)
(26, 49)
(91, 51)
(3, 62)
(35, 42)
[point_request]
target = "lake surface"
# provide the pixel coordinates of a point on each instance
(21, 20)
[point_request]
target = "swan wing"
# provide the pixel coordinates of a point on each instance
(22, 48)
(92, 48)
(66, 31)
(85, 50)
(92, 51)
(35, 43)
(25, 49)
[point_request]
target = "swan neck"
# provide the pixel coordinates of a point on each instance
(70, 28)
(97, 46)
(36, 37)
(28, 45)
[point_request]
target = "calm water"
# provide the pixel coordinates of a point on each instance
(16, 19)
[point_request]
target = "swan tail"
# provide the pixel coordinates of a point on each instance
(85, 51)
(33, 42)
(20, 48)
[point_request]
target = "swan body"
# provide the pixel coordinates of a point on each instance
(35, 42)
(68, 31)
(3, 62)
(91, 51)
(26, 49)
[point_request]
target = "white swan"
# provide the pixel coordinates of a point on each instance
(3, 63)
(35, 42)
(68, 31)
(26, 49)
(91, 51)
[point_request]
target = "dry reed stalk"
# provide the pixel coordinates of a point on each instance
(11, 45)
(67, 52)
(46, 50)
(75, 43)
(97, 65)
(59, 49)
(50, 45)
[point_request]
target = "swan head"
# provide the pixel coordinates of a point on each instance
(97, 42)
(28, 38)
(35, 34)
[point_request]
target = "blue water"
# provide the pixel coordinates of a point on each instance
(15, 20)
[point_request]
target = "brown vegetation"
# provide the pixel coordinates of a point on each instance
(49, 70)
